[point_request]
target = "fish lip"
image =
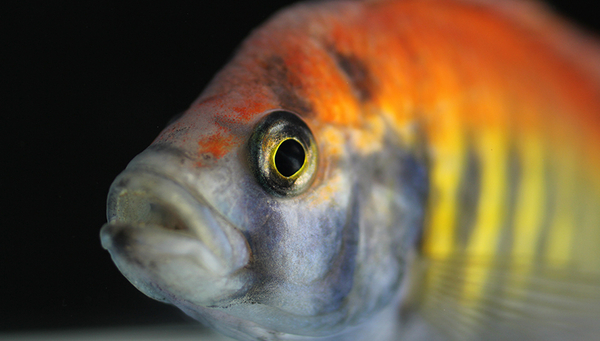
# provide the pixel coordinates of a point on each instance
(141, 184)
(142, 198)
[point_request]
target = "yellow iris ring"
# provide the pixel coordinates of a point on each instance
(274, 166)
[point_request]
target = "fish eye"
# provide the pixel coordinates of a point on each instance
(289, 157)
(283, 154)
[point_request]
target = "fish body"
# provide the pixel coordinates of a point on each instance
(379, 170)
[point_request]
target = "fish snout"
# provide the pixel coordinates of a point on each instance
(169, 242)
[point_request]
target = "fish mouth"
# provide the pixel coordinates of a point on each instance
(169, 242)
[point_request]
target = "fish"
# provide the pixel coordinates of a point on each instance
(389, 170)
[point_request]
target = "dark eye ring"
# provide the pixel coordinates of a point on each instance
(283, 154)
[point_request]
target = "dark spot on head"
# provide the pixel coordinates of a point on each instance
(279, 79)
(357, 73)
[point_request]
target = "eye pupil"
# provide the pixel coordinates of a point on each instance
(289, 157)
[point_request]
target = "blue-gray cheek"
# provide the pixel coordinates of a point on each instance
(303, 259)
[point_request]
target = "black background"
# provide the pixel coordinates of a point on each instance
(87, 86)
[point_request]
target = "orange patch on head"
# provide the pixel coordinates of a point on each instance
(250, 109)
(215, 146)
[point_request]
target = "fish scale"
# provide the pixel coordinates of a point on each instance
(441, 184)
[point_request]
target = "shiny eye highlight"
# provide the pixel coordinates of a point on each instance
(283, 154)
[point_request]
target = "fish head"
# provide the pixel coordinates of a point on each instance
(261, 226)
(258, 217)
